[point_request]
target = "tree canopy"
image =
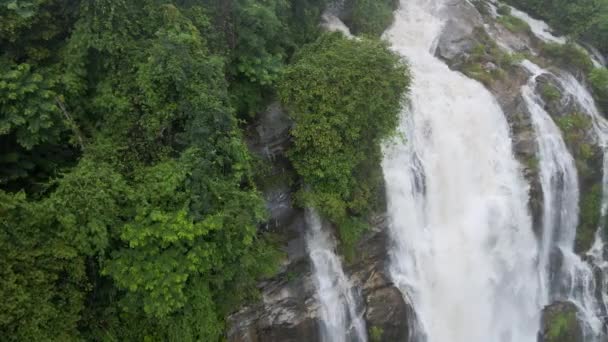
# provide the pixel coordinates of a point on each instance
(127, 194)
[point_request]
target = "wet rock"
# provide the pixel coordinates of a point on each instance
(557, 103)
(269, 136)
(387, 315)
(457, 36)
(288, 311)
(560, 324)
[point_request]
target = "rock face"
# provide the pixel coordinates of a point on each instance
(457, 38)
(288, 309)
(560, 324)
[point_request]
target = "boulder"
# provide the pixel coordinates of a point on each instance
(560, 324)
(457, 36)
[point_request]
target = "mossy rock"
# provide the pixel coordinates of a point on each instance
(560, 323)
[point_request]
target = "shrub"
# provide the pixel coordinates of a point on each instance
(339, 126)
(487, 61)
(598, 78)
(568, 55)
(370, 17)
(590, 215)
(514, 24)
(375, 334)
(550, 93)
(504, 10)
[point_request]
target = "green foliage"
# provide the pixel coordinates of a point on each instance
(513, 24)
(550, 93)
(504, 10)
(488, 62)
(482, 7)
(598, 78)
(590, 215)
(141, 218)
(28, 105)
(568, 55)
(42, 275)
(575, 127)
(561, 326)
(259, 45)
(370, 17)
(375, 334)
(532, 164)
(327, 93)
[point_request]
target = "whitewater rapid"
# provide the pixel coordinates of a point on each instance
(339, 318)
(463, 251)
(559, 184)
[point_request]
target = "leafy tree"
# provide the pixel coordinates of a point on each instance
(42, 275)
(370, 17)
(599, 82)
(327, 93)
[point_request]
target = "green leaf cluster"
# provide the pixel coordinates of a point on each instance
(327, 91)
(127, 199)
(369, 17)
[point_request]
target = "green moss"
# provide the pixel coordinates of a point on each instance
(598, 78)
(504, 10)
(561, 325)
(532, 164)
(550, 93)
(568, 55)
(488, 62)
(590, 215)
(574, 129)
(482, 7)
(514, 24)
(375, 334)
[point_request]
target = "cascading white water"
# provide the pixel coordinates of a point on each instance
(463, 250)
(559, 183)
(565, 275)
(339, 319)
(538, 27)
(574, 279)
(593, 298)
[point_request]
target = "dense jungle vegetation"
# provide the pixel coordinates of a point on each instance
(128, 206)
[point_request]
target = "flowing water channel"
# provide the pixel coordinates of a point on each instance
(463, 252)
(463, 249)
(339, 317)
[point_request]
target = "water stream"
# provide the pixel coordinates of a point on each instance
(339, 317)
(559, 183)
(463, 251)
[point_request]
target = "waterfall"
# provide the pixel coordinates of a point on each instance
(559, 183)
(339, 319)
(583, 282)
(590, 291)
(538, 27)
(566, 276)
(463, 252)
